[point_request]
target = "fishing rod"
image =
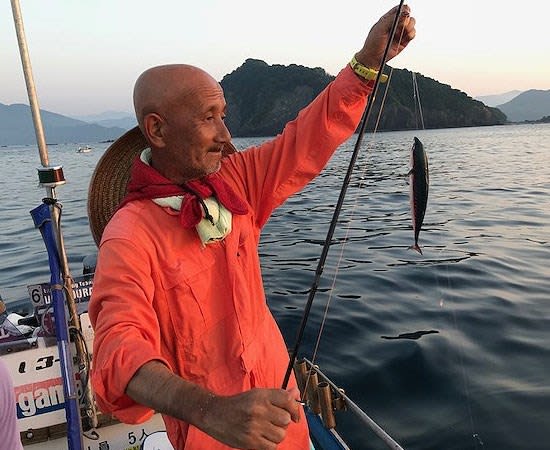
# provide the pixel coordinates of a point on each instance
(339, 204)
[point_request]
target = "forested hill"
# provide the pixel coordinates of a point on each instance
(262, 99)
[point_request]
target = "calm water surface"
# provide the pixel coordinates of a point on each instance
(478, 379)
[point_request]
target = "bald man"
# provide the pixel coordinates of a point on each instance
(181, 322)
(180, 106)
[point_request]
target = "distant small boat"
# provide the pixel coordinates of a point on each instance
(85, 149)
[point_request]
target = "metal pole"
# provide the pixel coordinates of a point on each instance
(27, 70)
(43, 221)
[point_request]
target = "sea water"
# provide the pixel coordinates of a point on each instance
(445, 350)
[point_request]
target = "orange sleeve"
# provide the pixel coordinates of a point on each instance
(128, 334)
(267, 175)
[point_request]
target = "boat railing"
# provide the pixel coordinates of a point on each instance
(323, 398)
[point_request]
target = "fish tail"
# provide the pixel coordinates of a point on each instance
(416, 247)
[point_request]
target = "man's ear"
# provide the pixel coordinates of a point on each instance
(153, 129)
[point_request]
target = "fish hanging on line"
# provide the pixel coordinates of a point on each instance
(419, 183)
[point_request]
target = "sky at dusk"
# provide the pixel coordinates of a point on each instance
(86, 55)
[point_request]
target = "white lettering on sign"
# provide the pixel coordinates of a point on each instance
(40, 294)
(42, 397)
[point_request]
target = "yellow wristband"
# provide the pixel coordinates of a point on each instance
(366, 72)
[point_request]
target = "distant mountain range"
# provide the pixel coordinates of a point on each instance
(262, 98)
(108, 119)
(527, 106)
(16, 128)
(498, 99)
(532, 105)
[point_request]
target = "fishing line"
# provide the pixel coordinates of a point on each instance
(348, 228)
(461, 348)
(338, 208)
(478, 443)
(385, 92)
(461, 352)
(416, 101)
(418, 107)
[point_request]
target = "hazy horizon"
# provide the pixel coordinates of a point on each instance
(86, 56)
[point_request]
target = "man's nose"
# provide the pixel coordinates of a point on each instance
(224, 134)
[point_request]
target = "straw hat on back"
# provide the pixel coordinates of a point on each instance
(109, 182)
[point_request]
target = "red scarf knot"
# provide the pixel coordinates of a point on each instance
(147, 183)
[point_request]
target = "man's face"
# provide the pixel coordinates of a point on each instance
(195, 132)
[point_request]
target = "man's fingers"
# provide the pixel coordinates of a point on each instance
(405, 11)
(275, 435)
(295, 392)
(281, 418)
(287, 400)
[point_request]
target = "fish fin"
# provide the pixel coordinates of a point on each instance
(416, 247)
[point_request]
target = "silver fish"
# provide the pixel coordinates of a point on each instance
(419, 183)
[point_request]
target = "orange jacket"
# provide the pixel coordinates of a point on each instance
(160, 295)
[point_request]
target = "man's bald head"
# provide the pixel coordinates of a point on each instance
(181, 110)
(159, 87)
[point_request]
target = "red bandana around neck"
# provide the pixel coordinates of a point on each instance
(147, 183)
